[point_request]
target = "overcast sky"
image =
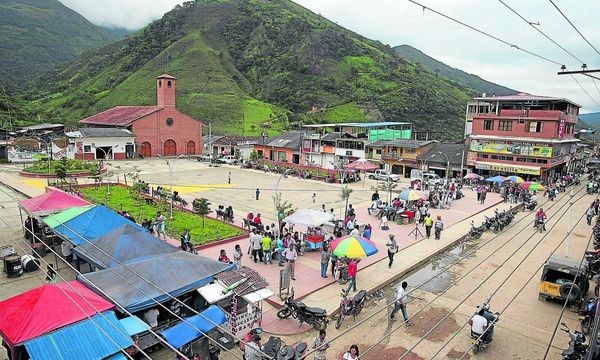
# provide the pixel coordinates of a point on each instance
(398, 22)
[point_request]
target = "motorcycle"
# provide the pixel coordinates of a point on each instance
(539, 225)
(271, 347)
(577, 348)
(586, 315)
(530, 205)
(289, 352)
(479, 342)
(315, 317)
(476, 232)
(350, 306)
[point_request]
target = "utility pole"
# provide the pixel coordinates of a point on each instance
(569, 228)
(583, 71)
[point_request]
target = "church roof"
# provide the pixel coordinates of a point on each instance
(166, 76)
(120, 115)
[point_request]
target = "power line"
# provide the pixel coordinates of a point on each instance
(455, 282)
(535, 273)
(481, 284)
(584, 90)
(541, 32)
(596, 85)
(485, 33)
(441, 272)
(574, 27)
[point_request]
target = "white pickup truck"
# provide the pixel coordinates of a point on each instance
(429, 178)
(384, 175)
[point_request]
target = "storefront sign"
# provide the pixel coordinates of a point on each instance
(508, 168)
(561, 126)
(511, 149)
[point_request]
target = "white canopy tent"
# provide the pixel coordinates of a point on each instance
(309, 217)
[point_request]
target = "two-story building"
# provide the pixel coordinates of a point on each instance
(399, 156)
(523, 134)
(319, 149)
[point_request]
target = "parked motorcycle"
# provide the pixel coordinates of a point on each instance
(289, 352)
(586, 315)
(577, 347)
(476, 232)
(350, 306)
(530, 205)
(315, 317)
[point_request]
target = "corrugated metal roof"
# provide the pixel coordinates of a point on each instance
(120, 115)
(254, 280)
(409, 144)
(358, 124)
(524, 97)
(105, 132)
(82, 340)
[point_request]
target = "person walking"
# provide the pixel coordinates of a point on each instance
(159, 225)
(291, 255)
(392, 249)
(320, 346)
(257, 193)
(229, 178)
(352, 353)
(237, 256)
(280, 248)
(428, 224)
(400, 304)
(591, 211)
(314, 197)
(483, 195)
(439, 226)
(324, 261)
(266, 248)
(352, 270)
(257, 247)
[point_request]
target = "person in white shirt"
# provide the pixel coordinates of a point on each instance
(355, 231)
(400, 303)
(478, 324)
(291, 255)
(66, 248)
(151, 317)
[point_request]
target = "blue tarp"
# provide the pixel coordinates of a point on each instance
(185, 332)
(134, 325)
(123, 244)
(82, 340)
(135, 285)
(92, 224)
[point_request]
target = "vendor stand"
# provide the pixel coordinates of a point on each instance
(315, 221)
(239, 293)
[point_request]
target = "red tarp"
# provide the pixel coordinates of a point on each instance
(46, 308)
(362, 165)
(52, 201)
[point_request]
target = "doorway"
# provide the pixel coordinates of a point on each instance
(170, 148)
(190, 148)
(146, 149)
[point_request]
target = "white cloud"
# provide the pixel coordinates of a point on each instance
(397, 22)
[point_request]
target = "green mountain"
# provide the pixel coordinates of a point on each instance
(469, 80)
(247, 64)
(38, 34)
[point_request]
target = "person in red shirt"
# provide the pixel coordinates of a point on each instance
(250, 216)
(352, 269)
(257, 219)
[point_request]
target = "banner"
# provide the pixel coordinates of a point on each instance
(511, 149)
(509, 168)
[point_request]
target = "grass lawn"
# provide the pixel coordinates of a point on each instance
(71, 166)
(122, 199)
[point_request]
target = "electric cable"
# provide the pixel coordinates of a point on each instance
(441, 272)
(535, 273)
(584, 90)
(99, 290)
(455, 282)
(498, 288)
(160, 290)
(485, 33)
(574, 27)
(541, 32)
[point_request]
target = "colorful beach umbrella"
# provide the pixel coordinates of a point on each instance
(515, 179)
(533, 186)
(471, 176)
(353, 246)
(411, 195)
(497, 179)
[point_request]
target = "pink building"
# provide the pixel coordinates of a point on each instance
(159, 130)
(522, 134)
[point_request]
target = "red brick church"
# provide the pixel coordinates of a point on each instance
(159, 130)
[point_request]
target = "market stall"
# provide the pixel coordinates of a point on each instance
(123, 244)
(240, 294)
(46, 308)
(314, 220)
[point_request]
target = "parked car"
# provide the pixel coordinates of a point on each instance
(429, 178)
(229, 159)
(204, 157)
(384, 175)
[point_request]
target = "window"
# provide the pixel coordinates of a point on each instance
(535, 126)
(378, 151)
(495, 157)
(87, 148)
(488, 124)
(409, 151)
(169, 83)
(505, 126)
(482, 156)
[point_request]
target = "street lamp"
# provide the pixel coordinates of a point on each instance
(343, 175)
(448, 161)
(264, 135)
(277, 200)
(423, 161)
(107, 173)
(170, 164)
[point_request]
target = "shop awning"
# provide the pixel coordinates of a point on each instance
(46, 308)
(213, 293)
(66, 215)
(176, 273)
(258, 295)
(123, 244)
(309, 217)
(96, 338)
(51, 202)
(91, 224)
(134, 325)
(185, 332)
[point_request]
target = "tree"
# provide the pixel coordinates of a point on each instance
(282, 208)
(202, 207)
(345, 195)
(254, 156)
(61, 168)
(388, 187)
